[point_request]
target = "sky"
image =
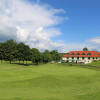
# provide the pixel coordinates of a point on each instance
(52, 24)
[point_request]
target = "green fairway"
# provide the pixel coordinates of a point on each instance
(48, 82)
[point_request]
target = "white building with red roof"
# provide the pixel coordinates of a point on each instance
(81, 56)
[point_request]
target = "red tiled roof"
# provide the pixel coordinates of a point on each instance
(82, 54)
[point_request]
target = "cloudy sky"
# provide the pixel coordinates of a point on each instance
(51, 24)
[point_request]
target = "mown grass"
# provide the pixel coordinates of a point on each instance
(48, 82)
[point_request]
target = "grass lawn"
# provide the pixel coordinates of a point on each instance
(48, 82)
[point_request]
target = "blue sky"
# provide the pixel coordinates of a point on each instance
(52, 24)
(84, 19)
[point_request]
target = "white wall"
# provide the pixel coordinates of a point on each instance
(85, 60)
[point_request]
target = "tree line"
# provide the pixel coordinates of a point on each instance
(10, 51)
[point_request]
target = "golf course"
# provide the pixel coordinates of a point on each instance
(49, 82)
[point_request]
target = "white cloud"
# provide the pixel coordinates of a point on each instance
(95, 40)
(79, 46)
(95, 43)
(35, 24)
(91, 44)
(30, 23)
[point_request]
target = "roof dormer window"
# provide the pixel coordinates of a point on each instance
(72, 53)
(89, 54)
(78, 53)
(83, 53)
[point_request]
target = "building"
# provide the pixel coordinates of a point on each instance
(81, 56)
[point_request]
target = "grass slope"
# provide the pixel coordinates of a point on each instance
(48, 82)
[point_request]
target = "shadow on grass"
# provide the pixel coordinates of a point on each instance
(89, 66)
(23, 64)
(94, 67)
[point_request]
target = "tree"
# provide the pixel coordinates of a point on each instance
(55, 55)
(1, 52)
(27, 53)
(46, 56)
(9, 50)
(35, 56)
(23, 52)
(85, 49)
(41, 57)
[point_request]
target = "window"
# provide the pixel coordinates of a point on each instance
(83, 53)
(89, 58)
(82, 58)
(89, 54)
(77, 57)
(72, 53)
(72, 57)
(78, 53)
